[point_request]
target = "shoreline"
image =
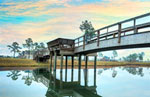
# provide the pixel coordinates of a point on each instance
(12, 62)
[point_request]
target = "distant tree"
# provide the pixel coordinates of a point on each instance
(100, 55)
(141, 55)
(36, 46)
(87, 28)
(29, 45)
(15, 48)
(39, 46)
(42, 45)
(115, 54)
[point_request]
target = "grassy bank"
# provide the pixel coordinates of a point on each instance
(12, 62)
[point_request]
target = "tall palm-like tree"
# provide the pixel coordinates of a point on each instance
(39, 46)
(15, 48)
(29, 45)
(88, 29)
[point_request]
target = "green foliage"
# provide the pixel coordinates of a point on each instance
(141, 55)
(29, 45)
(15, 48)
(39, 46)
(115, 54)
(134, 57)
(87, 28)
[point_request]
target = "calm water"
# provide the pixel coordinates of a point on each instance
(106, 82)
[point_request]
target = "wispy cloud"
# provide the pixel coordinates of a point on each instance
(44, 20)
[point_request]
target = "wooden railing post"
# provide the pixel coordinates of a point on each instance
(106, 33)
(135, 29)
(98, 33)
(83, 42)
(119, 32)
(78, 42)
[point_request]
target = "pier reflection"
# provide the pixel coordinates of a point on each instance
(57, 87)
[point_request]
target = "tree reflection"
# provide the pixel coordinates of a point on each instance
(14, 74)
(114, 73)
(28, 78)
(135, 71)
(131, 70)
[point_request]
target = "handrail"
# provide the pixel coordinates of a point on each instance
(117, 32)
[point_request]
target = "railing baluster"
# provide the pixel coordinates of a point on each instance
(106, 33)
(119, 32)
(135, 29)
(83, 42)
(98, 34)
(78, 42)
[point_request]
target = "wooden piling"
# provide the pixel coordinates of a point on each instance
(79, 68)
(61, 73)
(51, 61)
(66, 66)
(95, 61)
(72, 57)
(86, 63)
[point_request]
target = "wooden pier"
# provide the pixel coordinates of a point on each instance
(130, 33)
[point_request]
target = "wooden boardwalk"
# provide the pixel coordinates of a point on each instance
(131, 33)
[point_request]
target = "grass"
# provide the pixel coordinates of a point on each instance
(13, 62)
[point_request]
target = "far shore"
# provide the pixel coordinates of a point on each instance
(15, 62)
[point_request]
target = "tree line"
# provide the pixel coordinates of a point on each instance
(29, 45)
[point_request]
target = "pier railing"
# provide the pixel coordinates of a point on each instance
(127, 27)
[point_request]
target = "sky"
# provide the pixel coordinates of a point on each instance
(45, 20)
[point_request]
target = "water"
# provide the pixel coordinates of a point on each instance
(105, 82)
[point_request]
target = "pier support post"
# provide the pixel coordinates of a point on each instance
(51, 61)
(95, 61)
(86, 63)
(79, 68)
(72, 60)
(66, 66)
(55, 63)
(61, 73)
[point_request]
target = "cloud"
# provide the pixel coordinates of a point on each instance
(66, 20)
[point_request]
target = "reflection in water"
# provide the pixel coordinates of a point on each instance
(14, 74)
(135, 71)
(59, 88)
(61, 85)
(28, 78)
(131, 70)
